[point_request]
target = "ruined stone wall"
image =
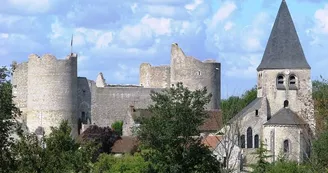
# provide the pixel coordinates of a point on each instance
(196, 74)
(300, 99)
(84, 97)
(52, 92)
(19, 82)
(154, 77)
(110, 104)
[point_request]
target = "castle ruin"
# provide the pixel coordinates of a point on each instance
(48, 90)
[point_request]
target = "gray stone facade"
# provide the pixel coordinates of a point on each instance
(282, 115)
(50, 87)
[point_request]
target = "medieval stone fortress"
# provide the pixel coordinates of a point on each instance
(48, 90)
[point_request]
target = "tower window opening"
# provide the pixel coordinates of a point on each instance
(198, 72)
(286, 103)
(280, 80)
(256, 112)
(292, 80)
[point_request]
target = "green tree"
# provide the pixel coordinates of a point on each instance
(60, 154)
(127, 164)
(117, 126)
(234, 104)
(170, 133)
(8, 123)
(288, 166)
(262, 165)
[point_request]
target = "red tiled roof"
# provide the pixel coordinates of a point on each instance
(211, 141)
(213, 122)
(127, 144)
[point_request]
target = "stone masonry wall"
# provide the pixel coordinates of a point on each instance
(19, 82)
(154, 77)
(300, 100)
(110, 104)
(281, 133)
(52, 92)
(196, 74)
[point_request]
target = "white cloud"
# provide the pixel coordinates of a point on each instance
(35, 6)
(104, 40)
(192, 6)
(321, 17)
(246, 68)
(162, 10)
(223, 13)
(133, 35)
(4, 35)
(134, 6)
(57, 30)
(160, 26)
(253, 35)
(228, 26)
(252, 44)
(125, 72)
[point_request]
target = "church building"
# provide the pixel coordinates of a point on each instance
(282, 115)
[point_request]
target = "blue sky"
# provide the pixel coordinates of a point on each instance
(115, 37)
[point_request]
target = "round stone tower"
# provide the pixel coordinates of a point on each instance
(52, 92)
(195, 74)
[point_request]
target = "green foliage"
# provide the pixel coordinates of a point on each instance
(177, 114)
(61, 153)
(8, 124)
(117, 126)
(320, 149)
(288, 166)
(234, 104)
(127, 164)
(262, 165)
(320, 97)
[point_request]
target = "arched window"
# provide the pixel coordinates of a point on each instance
(249, 138)
(280, 80)
(292, 82)
(286, 103)
(286, 147)
(242, 141)
(256, 141)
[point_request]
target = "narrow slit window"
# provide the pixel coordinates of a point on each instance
(256, 141)
(286, 147)
(256, 112)
(249, 138)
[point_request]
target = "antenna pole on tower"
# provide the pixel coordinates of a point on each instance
(72, 45)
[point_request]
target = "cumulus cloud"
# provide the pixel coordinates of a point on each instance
(321, 16)
(222, 13)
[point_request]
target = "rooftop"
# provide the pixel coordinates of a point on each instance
(283, 50)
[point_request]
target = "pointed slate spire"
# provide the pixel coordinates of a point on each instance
(283, 50)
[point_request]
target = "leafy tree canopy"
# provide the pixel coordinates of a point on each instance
(234, 104)
(170, 132)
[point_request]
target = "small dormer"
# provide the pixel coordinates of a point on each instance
(280, 81)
